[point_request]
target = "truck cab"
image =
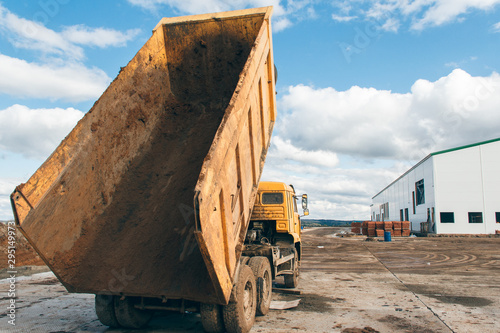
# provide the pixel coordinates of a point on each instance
(275, 230)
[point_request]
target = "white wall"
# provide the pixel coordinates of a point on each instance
(399, 195)
(468, 180)
(490, 154)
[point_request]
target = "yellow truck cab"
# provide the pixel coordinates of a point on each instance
(274, 230)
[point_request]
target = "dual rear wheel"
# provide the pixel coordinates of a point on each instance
(116, 312)
(251, 295)
(264, 280)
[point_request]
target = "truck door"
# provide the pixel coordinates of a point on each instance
(296, 216)
(289, 206)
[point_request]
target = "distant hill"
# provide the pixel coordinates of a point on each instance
(327, 223)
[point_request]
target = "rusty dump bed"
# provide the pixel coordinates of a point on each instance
(152, 191)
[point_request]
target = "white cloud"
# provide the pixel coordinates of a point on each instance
(348, 122)
(208, 6)
(420, 13)
(5, 208)
(59, 74)
(23, 33)
(100, 37)
(285, 12)
(444, 11)
(281, 24)
(391, 25)
(29, 136)
(7, 186)
(370, 123)
(342, 147)
(286, 151)
(71, 81)
(496, 27)
(35, 133)
(461, 63)
(340, 18)
(334, 193)
(27, 34)
(382, 9)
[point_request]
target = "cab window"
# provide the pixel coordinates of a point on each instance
(295, 204)
(272, 198)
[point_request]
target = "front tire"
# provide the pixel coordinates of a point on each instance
(239, 314)
(263, 276)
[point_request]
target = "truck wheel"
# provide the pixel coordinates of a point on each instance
(239, 314)
(244, 260)
(292, 280)
(130, 317)
(262, 271)
(211, 318)
(105, 310)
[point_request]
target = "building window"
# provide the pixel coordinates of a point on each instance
(497, 216)
(401, 216)
(407, 217)
(384, 210)
(419, 189)
(413, 199)
(447, 217)
(475, 217)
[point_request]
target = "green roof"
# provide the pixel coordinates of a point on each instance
(466, 146)
(433, 154)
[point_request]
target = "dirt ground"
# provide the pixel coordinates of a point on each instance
(347, 285)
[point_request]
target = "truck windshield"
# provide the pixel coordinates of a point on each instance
(272, 198)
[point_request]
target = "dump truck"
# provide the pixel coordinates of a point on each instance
(147, 202)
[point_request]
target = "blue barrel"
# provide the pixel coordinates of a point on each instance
(387, 236)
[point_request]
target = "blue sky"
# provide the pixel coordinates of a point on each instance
(366, 88)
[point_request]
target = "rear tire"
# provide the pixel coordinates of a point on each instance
(130, 317)
(105, 310)
(263, 278)
(239, 314)
(244, 260)
(211, 318)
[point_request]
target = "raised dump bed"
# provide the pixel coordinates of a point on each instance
(152, 191)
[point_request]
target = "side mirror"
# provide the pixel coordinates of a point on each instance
(304, 204)
(304, 201)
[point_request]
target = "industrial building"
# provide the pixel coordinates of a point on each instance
(454, 191)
